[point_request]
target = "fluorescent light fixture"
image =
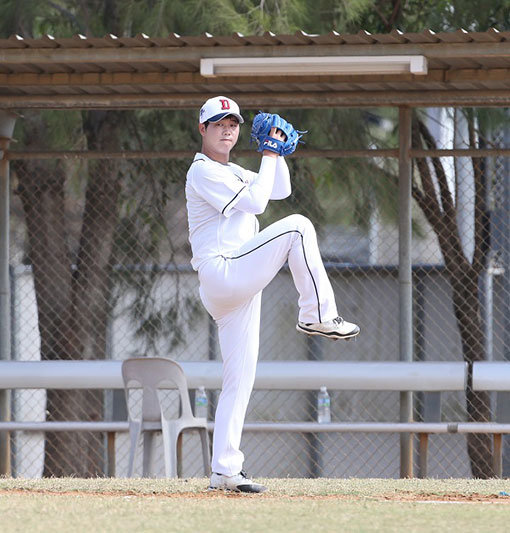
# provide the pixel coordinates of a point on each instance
(301, 66)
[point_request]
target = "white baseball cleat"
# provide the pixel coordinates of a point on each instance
(338, 328)
(237, 483)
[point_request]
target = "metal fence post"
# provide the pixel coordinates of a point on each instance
(5, 304)
(505, 252)
(7, 123)
(314, 352)
(405, 281)
(212, 338)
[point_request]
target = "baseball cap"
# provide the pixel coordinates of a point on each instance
(219, 107)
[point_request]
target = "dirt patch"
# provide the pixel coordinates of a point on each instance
(450, 497)
(409, 497)
(129, 493)
(205, 494)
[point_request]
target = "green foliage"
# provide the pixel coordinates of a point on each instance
(148, 256)
(438, 15)
(19, 17)
(490, 120)
(278, 16)
(475, 16)
(161, 130)
(63, 129)
(339, 15)
(357, 186)
(158, 18)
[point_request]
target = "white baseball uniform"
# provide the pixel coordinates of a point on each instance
(235, 262)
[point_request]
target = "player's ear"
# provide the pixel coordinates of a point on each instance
(202, 128)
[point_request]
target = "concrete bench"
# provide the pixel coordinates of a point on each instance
(494, 376)
(271, 375)
(430, 377)
(491, 376)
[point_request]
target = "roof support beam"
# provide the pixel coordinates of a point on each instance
(80, 79)
(194, 53)
(451, 98)
(300, 154)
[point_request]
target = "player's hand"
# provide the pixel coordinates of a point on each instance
(276, 134)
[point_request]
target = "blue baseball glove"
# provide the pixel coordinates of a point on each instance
(262, 124)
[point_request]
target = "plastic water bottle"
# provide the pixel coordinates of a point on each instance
(323, 406)
(201, 403)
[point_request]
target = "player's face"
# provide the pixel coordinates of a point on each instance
(219, 138)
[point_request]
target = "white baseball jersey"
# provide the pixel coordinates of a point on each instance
(221, 210)
(235, 262)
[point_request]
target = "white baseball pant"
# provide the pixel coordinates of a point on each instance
(230, 288)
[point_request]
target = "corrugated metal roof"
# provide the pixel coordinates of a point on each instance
(266, 39)
(143, 71)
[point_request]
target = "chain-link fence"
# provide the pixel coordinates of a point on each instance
(100, 269)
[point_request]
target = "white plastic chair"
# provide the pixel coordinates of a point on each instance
(151, 374)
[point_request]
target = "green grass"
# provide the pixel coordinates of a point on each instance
(290, 505)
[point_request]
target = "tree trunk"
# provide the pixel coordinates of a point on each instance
(440, 212)
(73, 306)
(467, 312)
(81, 453)
(72, 302)
(41, 190)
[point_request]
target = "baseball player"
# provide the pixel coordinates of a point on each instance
(235, 261)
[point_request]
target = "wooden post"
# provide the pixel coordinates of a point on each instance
(110, 452)
(424, 448)
(497, 456)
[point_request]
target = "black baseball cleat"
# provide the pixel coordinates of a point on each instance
(237, 483)
(338, 328)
